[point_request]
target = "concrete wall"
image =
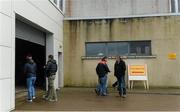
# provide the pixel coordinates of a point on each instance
(39, 13)
(6, 56)
(162, 31)
(114, 8)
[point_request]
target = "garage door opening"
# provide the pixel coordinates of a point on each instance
(23, 48)
(29, 40)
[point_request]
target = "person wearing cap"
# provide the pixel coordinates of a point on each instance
(102, 71)
(30, 69)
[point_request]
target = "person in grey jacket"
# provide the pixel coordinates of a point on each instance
(50, 70)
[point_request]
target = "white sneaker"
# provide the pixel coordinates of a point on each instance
(124, 96)
(29, 100)
(34, 97)
(54, 100)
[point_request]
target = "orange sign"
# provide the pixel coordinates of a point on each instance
(137, 70)
(172, 55)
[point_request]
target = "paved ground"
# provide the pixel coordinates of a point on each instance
(84, 99)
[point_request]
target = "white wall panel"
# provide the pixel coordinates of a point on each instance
(5, 62)
(38, 16)
(5, 30)
(52, 12)
(6, 7)
(5, 95)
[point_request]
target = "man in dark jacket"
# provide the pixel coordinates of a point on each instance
(30, 71)
(50, 70)
(119, 73)
(102, 71)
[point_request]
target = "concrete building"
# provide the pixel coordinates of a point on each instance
(28, 27)
(117, 8)
(143, 31)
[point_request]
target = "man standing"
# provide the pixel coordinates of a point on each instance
(30, 71)
(119, 72)
(51, 69)
(102, 71)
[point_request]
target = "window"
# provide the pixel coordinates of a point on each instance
(59, 4)
(140, 48)
(55, 1)
(118, 48)
(95, 49)
(175, 6)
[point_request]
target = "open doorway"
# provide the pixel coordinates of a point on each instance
(37, 51)
(29, 40)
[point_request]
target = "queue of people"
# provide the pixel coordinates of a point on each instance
(30, 69)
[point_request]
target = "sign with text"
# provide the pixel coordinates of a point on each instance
(137, 72)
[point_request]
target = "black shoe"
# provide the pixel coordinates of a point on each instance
(97, 92)
(113, 85)
(120, 94)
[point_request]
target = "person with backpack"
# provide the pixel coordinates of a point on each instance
(50, 70)
(102, 71)
(30, 69)
(119, 73)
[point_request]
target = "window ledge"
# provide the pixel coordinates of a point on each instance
(124, 57)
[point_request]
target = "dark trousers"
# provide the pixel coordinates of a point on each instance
(121, 85)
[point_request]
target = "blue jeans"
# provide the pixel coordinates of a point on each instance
(102, 86)
(121, 85)
(30, 86)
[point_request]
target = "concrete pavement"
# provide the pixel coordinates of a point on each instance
(85, 99)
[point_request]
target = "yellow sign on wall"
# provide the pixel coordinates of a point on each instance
(137, 70)
(172, 56)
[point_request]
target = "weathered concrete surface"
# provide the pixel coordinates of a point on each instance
(83, 99)
(162, 31)
(114, 8)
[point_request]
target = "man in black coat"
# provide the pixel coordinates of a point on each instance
(102, 71)
(119, 73)
(51, 69)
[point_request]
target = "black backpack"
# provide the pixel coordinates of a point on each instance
(53, 67)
